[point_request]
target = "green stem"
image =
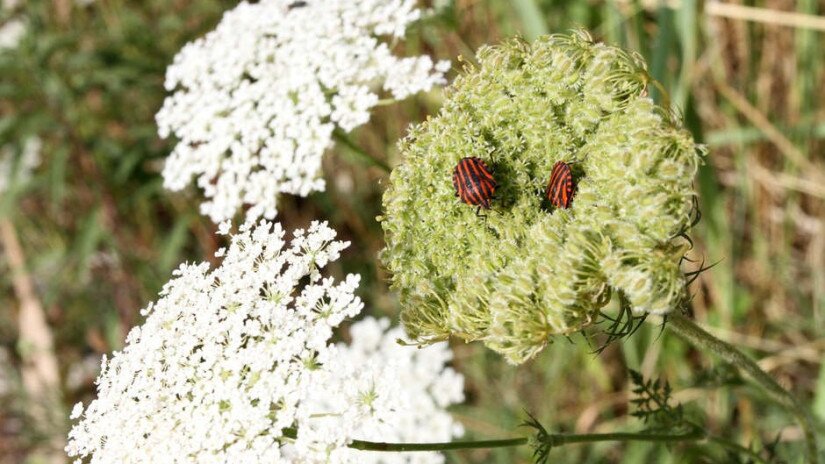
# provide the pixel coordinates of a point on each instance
(444, 446)
(737, 448)
(687, 330)
(386, 102)
(438, 446)
(694, 434)
(663, 93)
(549, 440)
(359, 153)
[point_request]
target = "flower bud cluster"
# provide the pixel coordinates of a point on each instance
(528, 271)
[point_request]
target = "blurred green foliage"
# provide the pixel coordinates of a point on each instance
(101, 235)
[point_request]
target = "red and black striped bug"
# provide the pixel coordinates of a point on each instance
(560, 188)
(474, 183)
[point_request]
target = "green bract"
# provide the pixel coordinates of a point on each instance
(527, 271)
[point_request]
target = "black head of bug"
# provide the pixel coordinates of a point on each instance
(294, 5)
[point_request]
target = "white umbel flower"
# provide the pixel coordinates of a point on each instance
(254, 103)
(232, 361)
(379, 390)
(11, 33)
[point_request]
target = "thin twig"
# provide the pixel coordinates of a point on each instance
(786, 181)
(39, 370)
(765, 15)
(720, 9)
(758, 119)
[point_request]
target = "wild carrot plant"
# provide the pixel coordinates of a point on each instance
(264, 346)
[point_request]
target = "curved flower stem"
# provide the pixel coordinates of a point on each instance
(359, 152)
(687, 330)
(663, 93)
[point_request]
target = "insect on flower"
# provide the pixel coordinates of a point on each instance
(474, 183)
(560, 188)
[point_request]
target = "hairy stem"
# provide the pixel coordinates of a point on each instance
(445, 446)
(687, 330)
(549, 440)
(737, 448)
(359, 152)
(693, 434)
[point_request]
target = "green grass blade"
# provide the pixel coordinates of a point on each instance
(532, 19)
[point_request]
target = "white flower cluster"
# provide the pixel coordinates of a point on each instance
(11, 32)
(255, 102)
(17, 170)
(391, 393)
(12, 29)
(235, 365)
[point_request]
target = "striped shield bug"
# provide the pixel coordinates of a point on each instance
(474, 183)
(561, 187)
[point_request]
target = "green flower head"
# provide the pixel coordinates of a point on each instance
(525, 270)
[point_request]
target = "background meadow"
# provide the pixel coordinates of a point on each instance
(99, 235)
